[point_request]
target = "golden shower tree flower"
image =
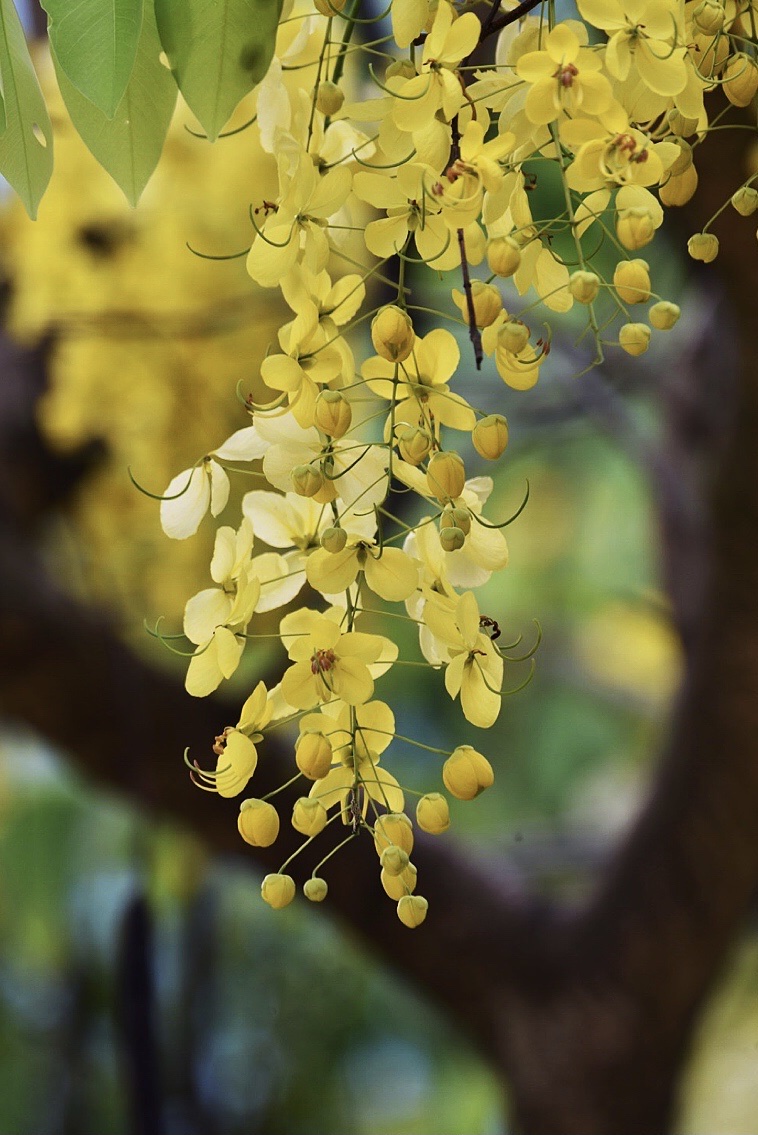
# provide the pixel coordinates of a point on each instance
(329, 664)
(564, 78)
(475, 668)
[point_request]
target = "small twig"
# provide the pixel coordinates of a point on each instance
(487, 22)
(473, 330)
(492, 25)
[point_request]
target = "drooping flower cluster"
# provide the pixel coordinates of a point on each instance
(434, 172)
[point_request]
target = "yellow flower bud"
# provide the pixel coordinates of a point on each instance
(513, 336)
(452, 539)
(278, 890)
(503, 255)
(308, 816)
(394, 860)
(584, 286)
(446, 476)
(393, 828)
(403, 68)
(329, 7)
(433, 813)
(631, 279)
(679, 125)
(307, 480)
(487, 301)
(664, 315)
(315, 889)
(332, 413)
(680, 188)
(456, 518)
(411, 910)
(258, 823)
(745, 200)
(635, 227)
(708, 17)
(740, 79)
(684, 161)
(490, 436)
(313, 755)
(392, 334)
(703, 246)
(329, 98)
(398, 885)
(634, 338)
(466, 773)
(333, 539)
(414, 445)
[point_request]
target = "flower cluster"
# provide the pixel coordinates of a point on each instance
(432, 173)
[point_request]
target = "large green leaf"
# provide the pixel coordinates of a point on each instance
(129, 144)
(218, 51)
(95, 43)
(26, 144)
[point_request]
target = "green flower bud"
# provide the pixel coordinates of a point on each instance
(307, 480)
(414, 445)
(394, 860)
(490, 436)
(703, 246)
(664, 315)
(393, 828)
(392, 334)
(329, 98)
(411, 910)
(332, 413)
(329, 7)
(278, 890)
(503, 255)
(308, 816)
(513, 336)
(631, 279)
(745, 200)
(258, 823)
(466, 773)
(313, 755)
(456, 518)
(433, 813)
(584, 286)
(315, 889)
(634, 338)
(446, 476)
(452, 539)
(708, 17)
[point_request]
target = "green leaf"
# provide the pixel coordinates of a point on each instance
(128, 145)
(95, 43)
(218, 50)
(26, 145)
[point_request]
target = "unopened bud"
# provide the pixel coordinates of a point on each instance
(631, 279)
(307, 480)
(414, 445)
(315, 889)
(402, 68)
(313, 755)
(433, 813)
(333, 539)
(635, 227)
(513, 336)
(258, 823)
(503, 255)
(466, 773)
(703, 246)
(446, 476)
(740, 81)
(708, 17)
(680, 188)
(486, 300)
(456, 518)
(392, 334)
(411, 910)
(278, 890)
(332, 413)
(663, 315)
(490, 436)
(329, 7)
(634, 338)
(394, 860)
(308, 816)
(584, 286)
(329, 98)
(684, 161)
(679, 125)
(452, 539)
(393, 828)
(745, 200)
(398, 885)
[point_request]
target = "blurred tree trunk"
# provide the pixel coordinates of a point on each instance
(586, 1013)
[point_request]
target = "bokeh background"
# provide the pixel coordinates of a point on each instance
(284, 1023)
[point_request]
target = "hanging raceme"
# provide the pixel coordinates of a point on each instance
(443, 152)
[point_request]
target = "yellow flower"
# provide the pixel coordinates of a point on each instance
(643, 32)
(387, 571)
(329, 664)
(358, 767)
(437, 87)
(564, 77)
(475, 669)
(410, 208)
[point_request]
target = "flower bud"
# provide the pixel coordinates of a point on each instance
(740, 81)
(329, 98)
(329, 7)
(452, 539)
(708, 17)
(313, 755)
(490, 436)
(635, 227)
(315, 889)
(403, 68)
(411, 910)
(456, 518)
(433, 813)
(258, 823)
(703, 246)
(634, 338)
(679, 188)
(394, 860)
(631, 279)
(414, 445)
(466, 773)
(503, 255)
(332, 413)
(446, 476)
(513, 336)
(679, 125)
(392, 334)
(393, 828)
(745, 200)
(308, 816)
(278, 890)
(487, 303)
(663, 315)
(307, 480)
(584, 286)
(684, 161)
(333, 539)
(398, 885)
